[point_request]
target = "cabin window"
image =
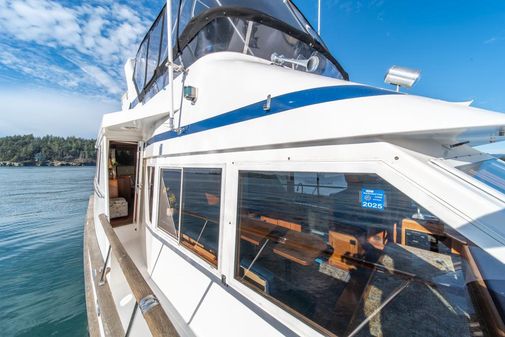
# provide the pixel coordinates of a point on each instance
(169, 203)
(154, 47)
(350, 254)
(201, 203)
(491, 172)
(150, 192)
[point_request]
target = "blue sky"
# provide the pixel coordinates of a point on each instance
(61, 62)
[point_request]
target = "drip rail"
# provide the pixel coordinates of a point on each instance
(155, 316)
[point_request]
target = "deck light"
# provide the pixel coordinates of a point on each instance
(402, 77)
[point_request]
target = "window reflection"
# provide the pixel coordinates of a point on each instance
(277, 9)
(491, 172)
(154, 48)
(354, 256)
(140, 66)
(200, 212)
(169, 204)
(244, 36)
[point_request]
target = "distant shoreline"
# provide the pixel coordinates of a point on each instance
(53, 151)
(46, 164)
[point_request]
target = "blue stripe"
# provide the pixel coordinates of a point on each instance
(281, 103)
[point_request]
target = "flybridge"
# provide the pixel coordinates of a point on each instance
(272, 30)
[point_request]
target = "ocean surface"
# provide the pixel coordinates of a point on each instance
(42, 212)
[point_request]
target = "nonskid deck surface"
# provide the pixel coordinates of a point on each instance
(131, 238)
(124, 221)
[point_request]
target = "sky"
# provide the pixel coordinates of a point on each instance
(61, 62)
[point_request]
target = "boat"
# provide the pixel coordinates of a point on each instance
(249, 188)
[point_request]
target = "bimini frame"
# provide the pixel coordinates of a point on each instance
(170, 64)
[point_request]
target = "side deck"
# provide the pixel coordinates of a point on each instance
(116, 289)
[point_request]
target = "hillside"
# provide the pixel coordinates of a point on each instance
(28, 150)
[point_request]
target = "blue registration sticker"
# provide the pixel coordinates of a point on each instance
(374, 199)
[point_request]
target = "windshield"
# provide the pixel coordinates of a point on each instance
(277, 9)
(273, 30)
(260, 40)
(270, 29)
(491, 172)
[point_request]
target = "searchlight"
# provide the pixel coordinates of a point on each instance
(402, 77)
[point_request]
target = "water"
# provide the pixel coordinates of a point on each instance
(42, 212)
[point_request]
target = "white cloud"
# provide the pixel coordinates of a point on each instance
(102, 77)
(44, 70)
(100, 38)
(494, 39)
(61, 64)
(40, 21)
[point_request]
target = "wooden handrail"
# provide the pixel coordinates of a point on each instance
(102, 302)
(154, 315)
(480, 294)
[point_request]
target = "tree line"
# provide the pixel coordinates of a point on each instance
(28, 150)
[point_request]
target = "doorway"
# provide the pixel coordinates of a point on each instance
(122, 164)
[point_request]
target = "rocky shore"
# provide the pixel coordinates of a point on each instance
(47, 163)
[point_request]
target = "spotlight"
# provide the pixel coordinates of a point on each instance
(402, 77)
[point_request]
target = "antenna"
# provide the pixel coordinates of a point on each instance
(319, 17)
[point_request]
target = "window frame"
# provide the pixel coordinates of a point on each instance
(292, 319)
(148, 166)
(175, 242)
(98, 169)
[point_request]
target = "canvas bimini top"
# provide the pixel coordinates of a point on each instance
(271, 30)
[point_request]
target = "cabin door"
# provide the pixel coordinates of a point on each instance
(123, 179)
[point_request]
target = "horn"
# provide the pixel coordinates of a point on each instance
(309, 64)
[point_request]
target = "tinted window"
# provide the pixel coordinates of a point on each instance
(200, 212)
(164, 41)
(175, 19)
(218, 35)
(140, 66)
(243, 36)
(319, 183)
(154, 48)
(277, 9)
(169, 205)
(490, 172)
(354, 256)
